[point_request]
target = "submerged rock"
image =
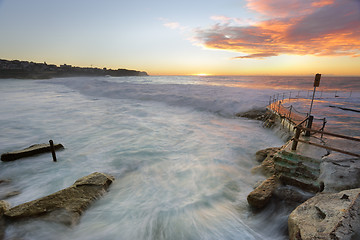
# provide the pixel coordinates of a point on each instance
(261, 155)
(257, 114)
(4, 206)
(64, 206)
(263, 193)
(28, 152)
(327, 216)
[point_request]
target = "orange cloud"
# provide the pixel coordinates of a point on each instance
(318, 27)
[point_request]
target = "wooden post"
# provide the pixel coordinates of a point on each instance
(52, 150)
(309, 124)
(323, 127)
(296, 138)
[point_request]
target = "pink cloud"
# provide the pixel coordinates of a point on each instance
(316, 27)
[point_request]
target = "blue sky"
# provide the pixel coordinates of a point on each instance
(177, 37)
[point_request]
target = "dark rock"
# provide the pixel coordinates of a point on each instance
(28, 152)
(292, 195)
(64, 206)
(327, 216)
(256, 114)
(263, 193)
(5, 181)
(12, 194)
(4, 206)
(264, 153)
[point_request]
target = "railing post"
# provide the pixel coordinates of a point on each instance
(309, 124)
(323, 127)
(296, 138)
(279, 108)
(290, 112)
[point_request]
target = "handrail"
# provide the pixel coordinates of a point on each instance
(297, 139)
(332, 134)
(275, 104)
(330, 148)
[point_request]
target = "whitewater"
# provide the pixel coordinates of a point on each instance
(181, 158)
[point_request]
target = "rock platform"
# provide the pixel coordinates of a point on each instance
(64, 206)
(28, 152)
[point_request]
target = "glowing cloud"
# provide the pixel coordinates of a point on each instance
(172, 25)
(297, 27)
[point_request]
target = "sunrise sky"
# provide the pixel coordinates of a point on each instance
(165, 37)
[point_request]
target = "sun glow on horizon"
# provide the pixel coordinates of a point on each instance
(202, 74)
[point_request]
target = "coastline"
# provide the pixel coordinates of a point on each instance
(30, 70)
(309, 183)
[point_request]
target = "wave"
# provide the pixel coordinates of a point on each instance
(222, 100)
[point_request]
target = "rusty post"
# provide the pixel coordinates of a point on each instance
(323, 127)
(52, 150)
(296, 138)
(309, 125)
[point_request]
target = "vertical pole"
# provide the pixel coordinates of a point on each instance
(270, 100)
(312, 100)
(323, 127)
(52, 150)
(290, 97)
(316, 84)
(290, 117)
(309, 124)
(290, 111)
(279, 108)
(296, 138)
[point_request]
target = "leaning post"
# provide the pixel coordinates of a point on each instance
(52, 150)
(310, 120)
(296, 138)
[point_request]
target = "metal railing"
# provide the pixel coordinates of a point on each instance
(294, 116)
(298, 118)
(300, 128)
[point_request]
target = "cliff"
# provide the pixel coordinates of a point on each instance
(31, 70)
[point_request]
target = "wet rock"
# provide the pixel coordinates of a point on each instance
(5, 181)
(11, 194)
(261, 155)
(269, 123)
(268, 166)
(64, 206)
(4, 206)
(256, 114)
(7, 190)
(292, 195)
(339, 175)
(28, 152)
(263, 193)
(327, 216)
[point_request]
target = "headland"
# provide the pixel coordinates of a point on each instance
(31, 70)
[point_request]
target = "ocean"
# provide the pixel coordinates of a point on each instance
(181, 158)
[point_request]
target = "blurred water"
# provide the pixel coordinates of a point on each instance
(181, 159)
